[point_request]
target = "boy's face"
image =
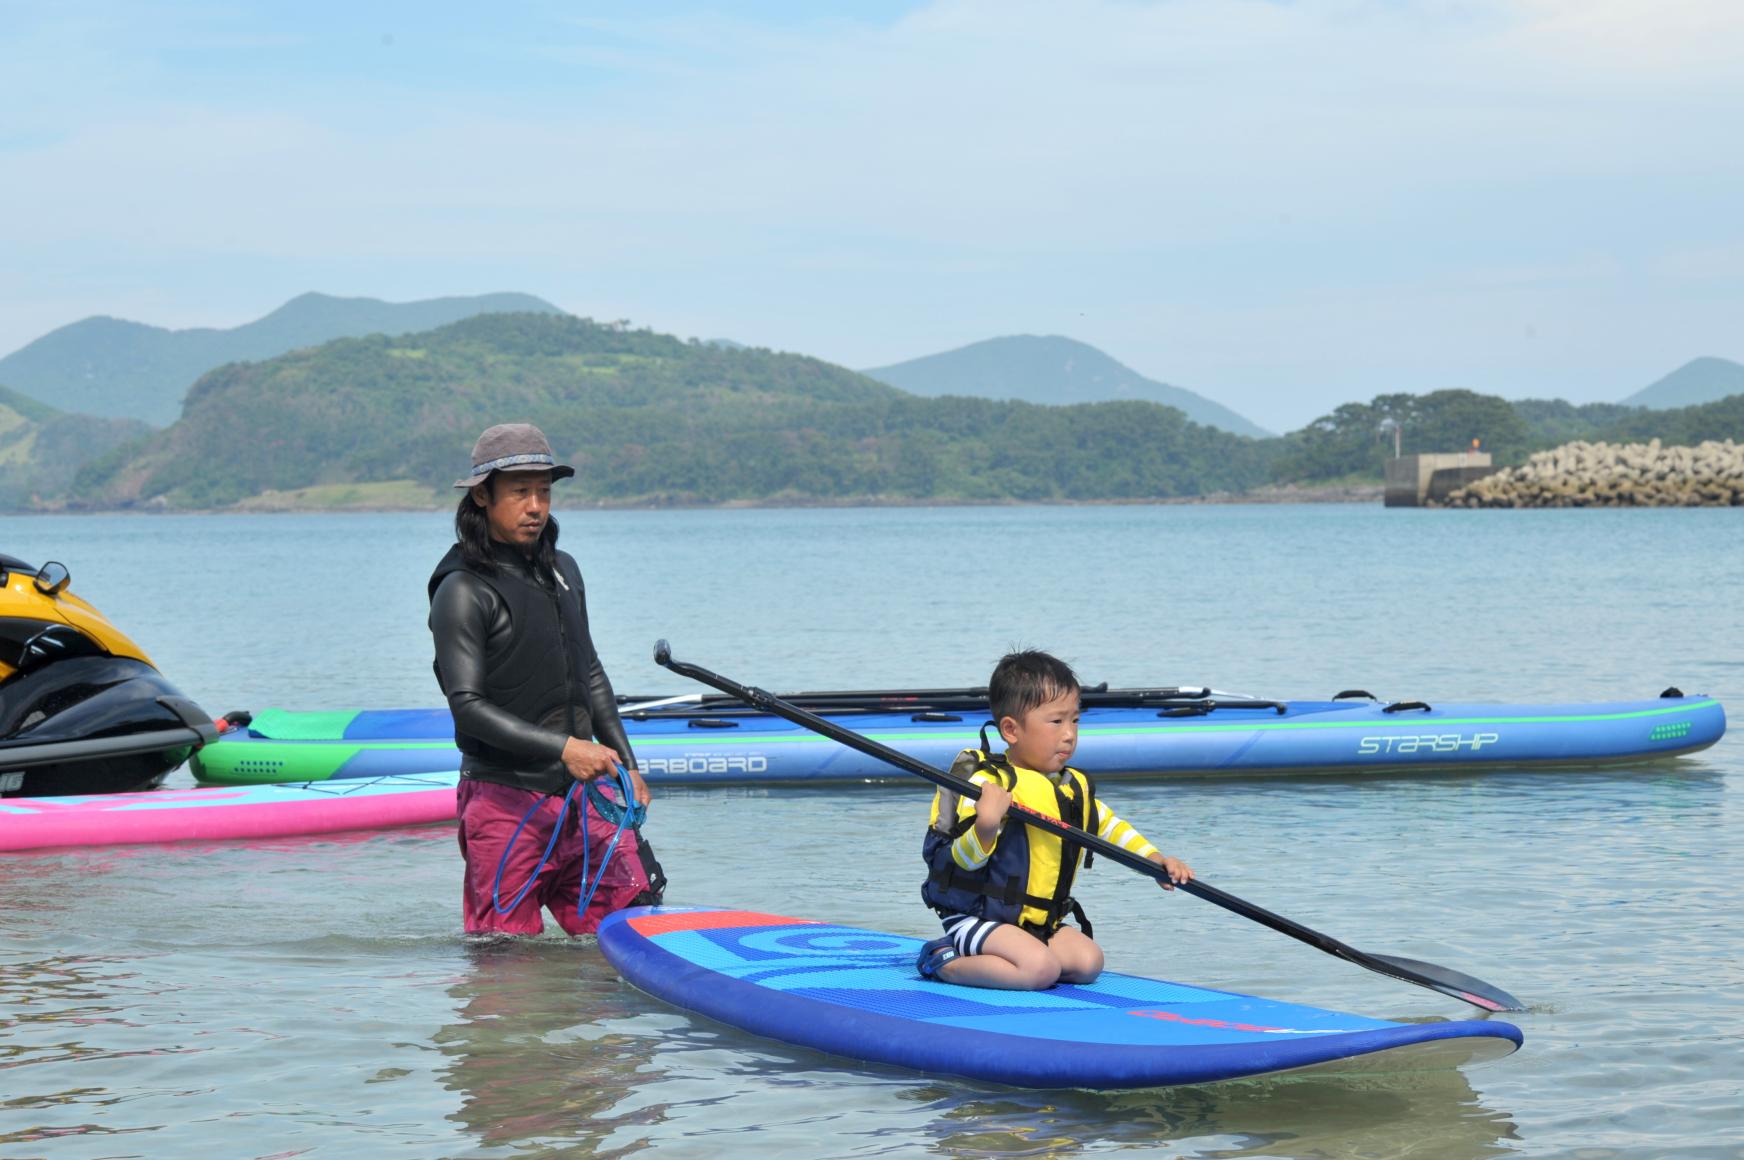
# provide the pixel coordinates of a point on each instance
(1046, 736)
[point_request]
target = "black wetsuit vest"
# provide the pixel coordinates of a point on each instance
(539, 668)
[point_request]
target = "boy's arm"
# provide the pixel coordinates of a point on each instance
(1127, 837)
(1122, 834)
(976, 844)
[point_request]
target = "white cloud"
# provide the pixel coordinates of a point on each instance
(1722, 263)
(973, 161)
(1616, 42)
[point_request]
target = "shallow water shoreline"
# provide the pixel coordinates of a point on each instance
(276, 503)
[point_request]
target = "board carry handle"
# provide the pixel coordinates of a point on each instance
(1449, 982)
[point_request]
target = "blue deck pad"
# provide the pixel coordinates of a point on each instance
(400, 725)
(856, 993)
(855, 968)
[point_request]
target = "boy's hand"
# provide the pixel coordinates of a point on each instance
(1178, 870)
(990, 811)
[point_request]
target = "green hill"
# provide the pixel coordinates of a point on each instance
(1702, 380)
(42, 449)
(1680, 426)
(1356, 439)
(645, 418)
(1050, 370)
(1553, 422)
(115, 368)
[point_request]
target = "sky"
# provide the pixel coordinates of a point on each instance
(1283, 206)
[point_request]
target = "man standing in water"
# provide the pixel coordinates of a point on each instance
(529, 696)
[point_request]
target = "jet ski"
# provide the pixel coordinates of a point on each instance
(82, 709)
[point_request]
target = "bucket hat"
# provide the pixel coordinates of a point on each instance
(513, 447)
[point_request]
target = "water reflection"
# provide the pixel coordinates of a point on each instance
(720, 1084)
(1429, 1113)
(63, 1037)
(533, 1053)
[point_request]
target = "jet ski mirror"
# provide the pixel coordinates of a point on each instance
(52, 577)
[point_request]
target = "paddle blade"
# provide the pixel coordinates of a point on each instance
(1449, 982)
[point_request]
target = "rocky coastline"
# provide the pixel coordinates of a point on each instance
(1709, 474)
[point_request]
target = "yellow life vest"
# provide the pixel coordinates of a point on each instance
(1028, 878)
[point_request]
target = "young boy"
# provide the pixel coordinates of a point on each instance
(1005, 890)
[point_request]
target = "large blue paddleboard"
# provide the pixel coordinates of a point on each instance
(855, 993)
(679, 746)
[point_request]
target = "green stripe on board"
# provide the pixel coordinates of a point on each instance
(297, 725)
(262, 762)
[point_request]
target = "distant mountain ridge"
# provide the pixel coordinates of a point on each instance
(1701, 380)
(114, 368)
(1052, 370)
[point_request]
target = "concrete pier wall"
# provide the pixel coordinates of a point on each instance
(1414, 480)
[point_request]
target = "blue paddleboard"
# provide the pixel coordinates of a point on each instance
(855, 993)
(690, 746)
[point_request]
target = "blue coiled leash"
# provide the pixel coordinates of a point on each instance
(624, 816)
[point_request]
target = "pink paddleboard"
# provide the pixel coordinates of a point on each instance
(224, 812)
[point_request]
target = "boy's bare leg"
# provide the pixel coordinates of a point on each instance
(1079, 957)
(1011, 959)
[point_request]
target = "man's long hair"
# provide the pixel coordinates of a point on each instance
(472, 531)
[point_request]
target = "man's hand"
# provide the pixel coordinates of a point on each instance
(586, 760)
(640, 786)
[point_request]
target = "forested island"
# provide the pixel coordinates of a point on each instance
(649, 419)
(645, 418)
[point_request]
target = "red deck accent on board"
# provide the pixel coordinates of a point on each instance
(653, 924)
(1224, 1024)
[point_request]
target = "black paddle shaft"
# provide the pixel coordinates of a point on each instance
(1457, 984)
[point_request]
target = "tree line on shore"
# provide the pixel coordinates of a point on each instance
(649, 418)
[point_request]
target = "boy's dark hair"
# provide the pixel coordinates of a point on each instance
(1027, 678)
(472, 530)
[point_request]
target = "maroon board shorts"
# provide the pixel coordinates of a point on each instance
(489, 814)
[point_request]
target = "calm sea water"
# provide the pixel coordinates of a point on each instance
(315, 997)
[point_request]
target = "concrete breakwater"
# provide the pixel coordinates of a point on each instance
(1710, 474)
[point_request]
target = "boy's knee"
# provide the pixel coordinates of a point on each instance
(1081, 962)
(1041, 974)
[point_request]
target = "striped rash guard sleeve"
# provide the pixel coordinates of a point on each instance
(1122, 833)
(967, 851)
